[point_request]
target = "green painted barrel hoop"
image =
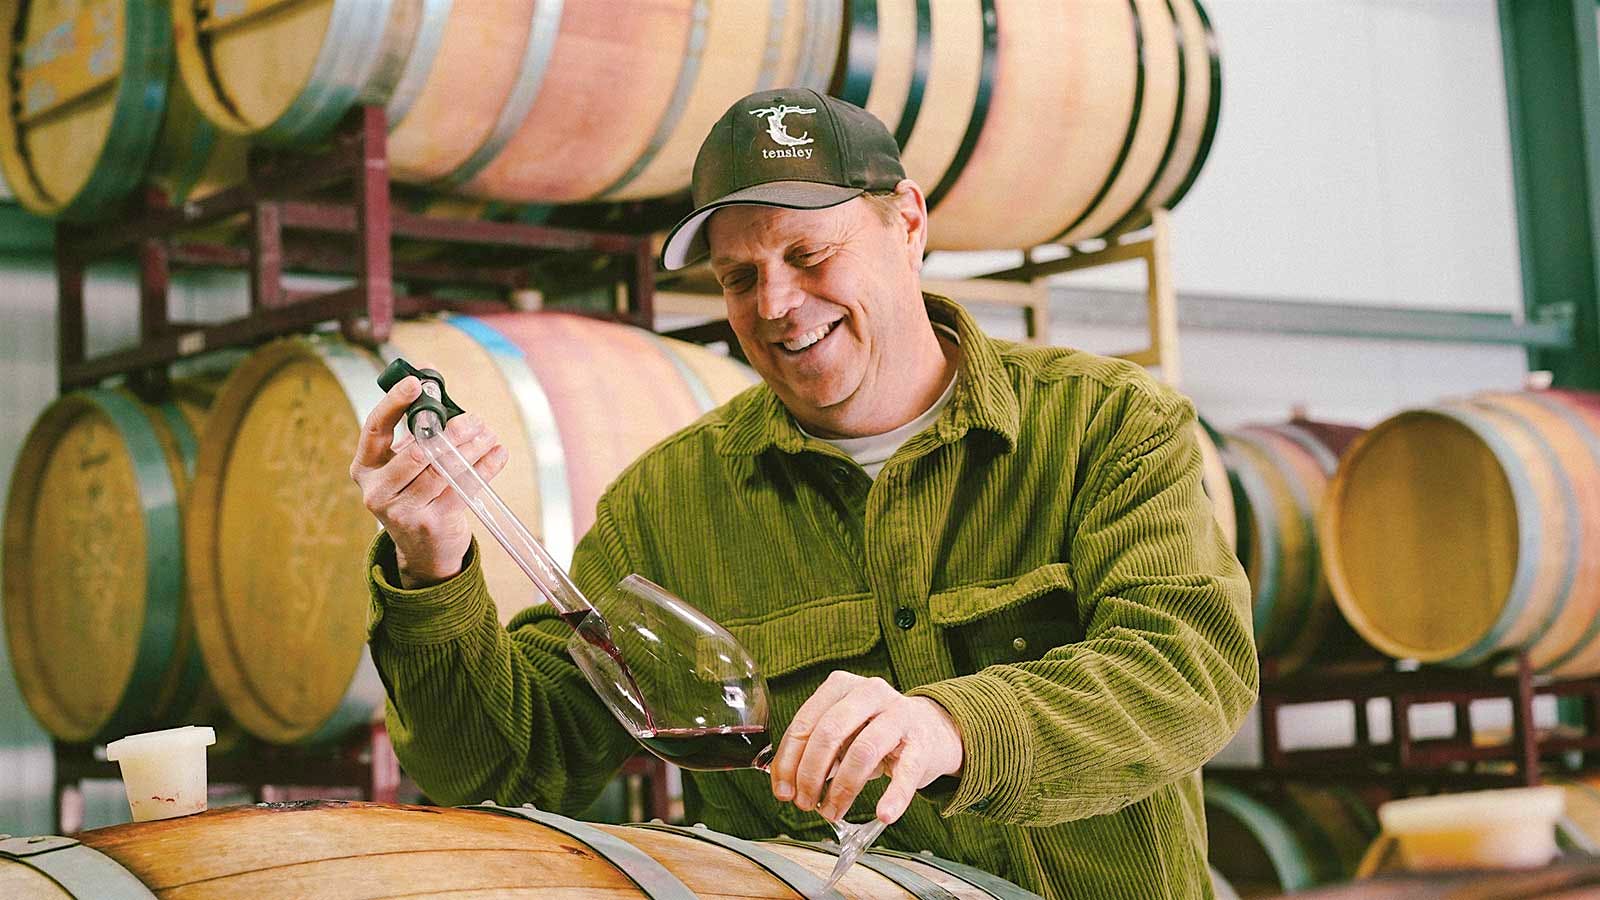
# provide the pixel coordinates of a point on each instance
(1137, 212)
(1213, 113)
(158, 499)
(136, 114)
(194, 669)
(988, 72)
(861, 55)
(648, 874)
(1308, 521)
(1263, 529)
(1127, 137)
(921, 69)
(1278, 840)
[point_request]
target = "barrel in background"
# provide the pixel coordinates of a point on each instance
(279, 535)
(1280, 473)
(1461, 531)
(99, 627)
(1291, 840)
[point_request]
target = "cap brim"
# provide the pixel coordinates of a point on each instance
(686, 243)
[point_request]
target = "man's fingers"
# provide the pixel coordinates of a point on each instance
(377, 433)
(864, 760)
(792, 747)
(908, 777)
(833, 733)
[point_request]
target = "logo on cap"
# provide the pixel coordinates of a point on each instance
(780, 134)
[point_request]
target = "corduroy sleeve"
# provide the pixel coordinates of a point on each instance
(1167, 669)
(478, 711)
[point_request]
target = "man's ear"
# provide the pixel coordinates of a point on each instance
(913, 208)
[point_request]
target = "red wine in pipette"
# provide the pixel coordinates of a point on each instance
(709, 749)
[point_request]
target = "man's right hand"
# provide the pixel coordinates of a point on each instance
(424, 516)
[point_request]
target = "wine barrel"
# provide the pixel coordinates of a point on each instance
(1452, 533)
(1081, 107)
(91, 105)
(278, 532)
(1282, 472)
(330, 849)
(99, 629)
(77, 121)
(1295, 840)
(1219, 488)
(287, 71)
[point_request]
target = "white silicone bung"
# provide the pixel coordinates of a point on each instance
(1504, 829)
(164, 772)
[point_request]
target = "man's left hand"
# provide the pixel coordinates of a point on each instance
(863, 728)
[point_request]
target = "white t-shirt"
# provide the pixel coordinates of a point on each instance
(872, 451)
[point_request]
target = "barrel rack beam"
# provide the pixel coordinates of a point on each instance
(1405, 760)
(282, 219)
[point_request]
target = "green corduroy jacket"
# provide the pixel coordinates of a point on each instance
(1041, 561)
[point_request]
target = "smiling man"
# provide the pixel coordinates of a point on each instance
(982, 579)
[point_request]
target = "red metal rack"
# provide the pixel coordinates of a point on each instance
(292, 206)
(1404, 759)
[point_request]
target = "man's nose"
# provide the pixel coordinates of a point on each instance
(777, 296)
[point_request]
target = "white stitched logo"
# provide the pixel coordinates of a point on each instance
(780, 135)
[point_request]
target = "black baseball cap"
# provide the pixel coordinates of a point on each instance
(794, 148)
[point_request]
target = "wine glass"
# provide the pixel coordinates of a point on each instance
(684, 688)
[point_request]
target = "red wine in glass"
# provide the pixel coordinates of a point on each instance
(710, 749)
(592, 627)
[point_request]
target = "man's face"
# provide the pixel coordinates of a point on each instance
(819, 300)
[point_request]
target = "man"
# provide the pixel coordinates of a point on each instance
(985, 571)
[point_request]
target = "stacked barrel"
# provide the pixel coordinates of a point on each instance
(1296, 837)
(142, 538)
(1097, 110)
(1471, 529)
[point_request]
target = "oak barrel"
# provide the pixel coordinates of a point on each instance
(98, 625)
(89, 107)
(278, 534)
(1282, 473)
(323, 850)
(1457, 532)
(1096, 111)
(1296, 839)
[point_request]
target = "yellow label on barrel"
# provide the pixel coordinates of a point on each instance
(78, 54)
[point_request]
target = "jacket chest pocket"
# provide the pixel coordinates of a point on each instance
(1011, 622)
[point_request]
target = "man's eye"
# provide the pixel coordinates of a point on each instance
(737, 282)
(810, 258)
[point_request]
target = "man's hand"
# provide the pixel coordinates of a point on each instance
(426, 518)
(863, 728)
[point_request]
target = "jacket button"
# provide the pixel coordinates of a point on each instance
(981, 804)
(841, 474)
(1020, 644)
(905, 617)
